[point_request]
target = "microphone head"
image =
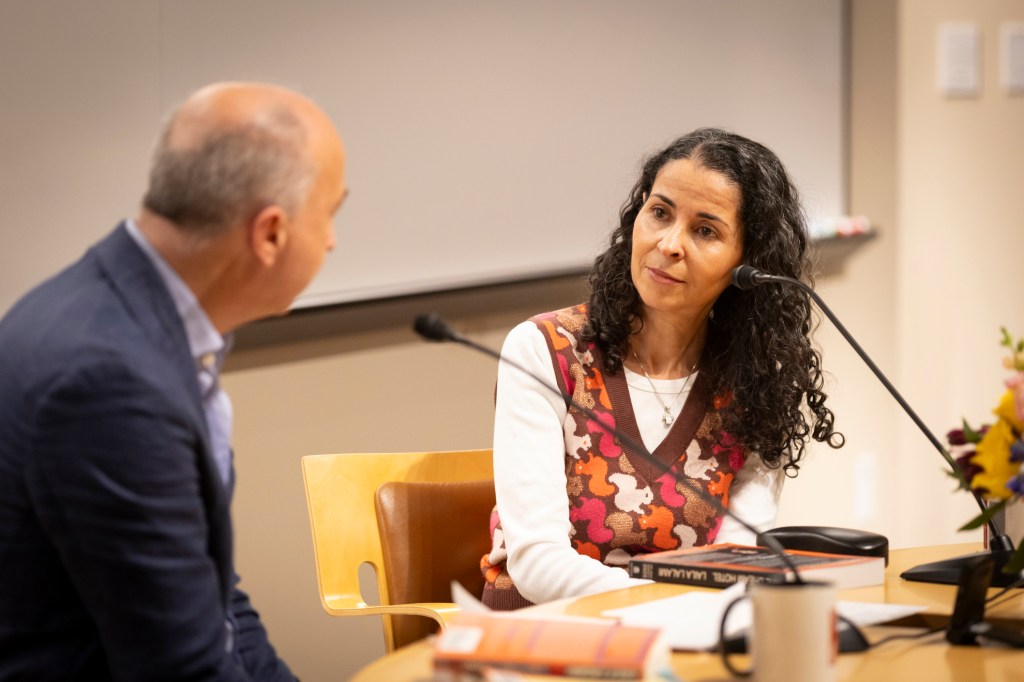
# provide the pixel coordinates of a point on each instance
(431, 327)
(746, 277)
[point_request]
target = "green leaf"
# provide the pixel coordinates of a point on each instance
(983, 518)
(1007, 339)
(1016, 563)
(958, 476)
(970, 435)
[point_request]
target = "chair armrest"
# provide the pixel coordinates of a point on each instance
(442, 612)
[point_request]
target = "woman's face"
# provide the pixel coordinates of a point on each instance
(687, 239)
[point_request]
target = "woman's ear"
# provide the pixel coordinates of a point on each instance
(268, 234)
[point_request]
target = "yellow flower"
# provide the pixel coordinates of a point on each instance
(993, 456)
(1007, 410)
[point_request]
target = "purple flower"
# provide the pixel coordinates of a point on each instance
(1017, 450)
(1016, 484)
(956, 437)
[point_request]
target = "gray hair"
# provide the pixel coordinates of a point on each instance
(231, 174)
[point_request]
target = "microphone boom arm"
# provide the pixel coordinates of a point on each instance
(874, 368)
(747, 277)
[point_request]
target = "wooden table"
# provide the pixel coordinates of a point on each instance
(930, 658)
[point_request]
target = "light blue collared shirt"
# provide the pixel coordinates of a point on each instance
(208, 349)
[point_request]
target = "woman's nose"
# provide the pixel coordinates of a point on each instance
(672, 243)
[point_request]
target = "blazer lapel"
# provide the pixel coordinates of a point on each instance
(147, 300)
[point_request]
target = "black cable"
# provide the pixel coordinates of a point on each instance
(991, 600)
(917, 635)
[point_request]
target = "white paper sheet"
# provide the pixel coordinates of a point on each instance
(466, 601)
(691, 621)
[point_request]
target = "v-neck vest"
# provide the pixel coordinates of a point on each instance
(620, 504)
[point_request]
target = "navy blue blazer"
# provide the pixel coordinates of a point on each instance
(115, 535)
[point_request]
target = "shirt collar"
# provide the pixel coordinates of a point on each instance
(207, 346)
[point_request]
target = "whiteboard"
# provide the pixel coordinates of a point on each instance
(487, 141)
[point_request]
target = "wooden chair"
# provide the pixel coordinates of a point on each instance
(342, 491)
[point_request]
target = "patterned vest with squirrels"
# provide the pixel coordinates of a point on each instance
(620, 504)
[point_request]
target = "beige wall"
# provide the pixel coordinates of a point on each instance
(926, 297)
(940, 178)
(961, 231)
(852, 486)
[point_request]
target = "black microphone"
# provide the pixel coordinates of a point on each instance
(746, 277)
(433, 328)
(430, 326)
(946, 572)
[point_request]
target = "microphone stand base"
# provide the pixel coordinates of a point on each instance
(948, 571)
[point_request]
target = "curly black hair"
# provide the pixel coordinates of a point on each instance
(758, 347)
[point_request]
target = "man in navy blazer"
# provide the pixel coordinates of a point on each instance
(115, 458)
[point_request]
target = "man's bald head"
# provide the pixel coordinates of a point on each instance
(231, 150)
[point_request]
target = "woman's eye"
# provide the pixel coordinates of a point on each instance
(706, 231)
(659, 212)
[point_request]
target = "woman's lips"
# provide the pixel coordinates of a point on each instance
(662, 276)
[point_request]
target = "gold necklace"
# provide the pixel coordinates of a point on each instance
(666, 415)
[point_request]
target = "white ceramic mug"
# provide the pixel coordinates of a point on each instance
(794, 637)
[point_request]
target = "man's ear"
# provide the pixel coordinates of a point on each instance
(268, 234)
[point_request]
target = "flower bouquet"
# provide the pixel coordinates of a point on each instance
(991, 458)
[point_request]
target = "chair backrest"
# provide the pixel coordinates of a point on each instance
(432, 533)
(340, 493)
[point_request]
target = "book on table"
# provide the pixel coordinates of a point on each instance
(474, 643)
(725, 564)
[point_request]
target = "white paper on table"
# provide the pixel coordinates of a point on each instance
(691, 621)
(870, 613)
(466, 601)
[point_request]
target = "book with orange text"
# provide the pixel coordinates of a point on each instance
(476, 642)
(726, 564)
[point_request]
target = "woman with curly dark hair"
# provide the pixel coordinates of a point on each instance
(721, 385)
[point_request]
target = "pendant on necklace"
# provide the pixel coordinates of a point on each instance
(667, 417)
